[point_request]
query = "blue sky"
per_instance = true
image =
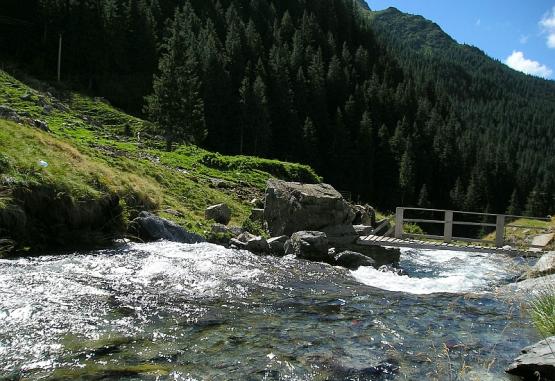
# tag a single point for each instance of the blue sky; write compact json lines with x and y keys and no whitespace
{"x":520,"y":33}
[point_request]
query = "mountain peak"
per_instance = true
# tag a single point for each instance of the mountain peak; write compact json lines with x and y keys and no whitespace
{"x":415,"y":30}
{"x":363,"y":4}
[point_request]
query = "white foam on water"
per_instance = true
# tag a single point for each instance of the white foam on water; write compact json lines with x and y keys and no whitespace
{"x":435,"y":271}
{"x":43,"y":298}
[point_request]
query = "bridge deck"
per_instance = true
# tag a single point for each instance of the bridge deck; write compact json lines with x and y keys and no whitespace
{"x":374,"y":240}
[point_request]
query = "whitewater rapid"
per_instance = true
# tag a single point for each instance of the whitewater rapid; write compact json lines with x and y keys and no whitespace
{"x":434,"y":271}
{"x":172,"y":311}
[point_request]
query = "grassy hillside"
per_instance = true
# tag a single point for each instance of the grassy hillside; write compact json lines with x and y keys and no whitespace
{"x":104,"y":166}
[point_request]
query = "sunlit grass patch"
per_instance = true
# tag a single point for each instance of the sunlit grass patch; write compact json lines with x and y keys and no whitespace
{"x":93,"y":150}
{"x":542,"y":310}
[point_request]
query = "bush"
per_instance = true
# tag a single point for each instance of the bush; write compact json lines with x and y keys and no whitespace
{"x":412,"y":229}
{"x":281,"y":170}
{"x":5,"y":164}
{"x":255,"y":227}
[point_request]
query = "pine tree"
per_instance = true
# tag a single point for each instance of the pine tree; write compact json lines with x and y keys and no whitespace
{"x":535,"y":203}
{"x":246,"y":100}
{"x":514,"y":205}
{"x":457,"y":195}
{"x":424,"y":198}
{"x":261,"y":117}
{"x":473,"y":198}
{"x":407,"y":175}
{"x":310,"y":138}
{"x":176,"y":104}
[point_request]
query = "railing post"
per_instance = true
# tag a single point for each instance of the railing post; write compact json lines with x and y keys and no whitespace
{"x":399,"y":221}
{"x":500,"y":231}
{"x":448,"y":227}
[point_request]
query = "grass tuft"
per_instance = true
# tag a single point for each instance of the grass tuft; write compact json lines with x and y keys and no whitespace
{"x":542,"y":311}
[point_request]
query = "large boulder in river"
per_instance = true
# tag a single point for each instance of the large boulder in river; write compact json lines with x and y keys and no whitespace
{"x":537,"y":362}
{"x":148,"y":227}
{"x":353,"y":260}
{"x":219,"y":213}
{"x":291,"y":207}
{"x":309,"y":245}
{"x":345,"y":238}
{"x":257,"y":245}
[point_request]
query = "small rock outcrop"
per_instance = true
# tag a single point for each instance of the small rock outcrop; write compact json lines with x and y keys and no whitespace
{"x":148,"y":227}
{"x":536,"y":362}
{"x":391,"y":269}
{"x":525,"y":289}
{"x":291,"y":207}
{"x":277,"y":245}
{"x":245,"y":237}
{"x":250,"y":242}
{"x":309,"y":245}
{"x":41,"y":125}
{"x":220,"y":229}
{"x":220,"y":234}
{"x":257,"y":245}
{"x":544,"y":266}
{"x":257,"y":215}
{"x":363,"y":230}
{"x":364,"y":215}
{"x":219,"y":213}
{"x":9,"y":114}
{"x":234,"y":243}
{"x":353,"y":260}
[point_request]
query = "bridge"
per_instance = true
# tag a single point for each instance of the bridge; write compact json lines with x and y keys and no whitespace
{"x":465,"y":223}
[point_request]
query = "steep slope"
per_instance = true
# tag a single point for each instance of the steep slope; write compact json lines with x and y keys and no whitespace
{"x":384,"y":105}
{"x":509,"y":115}
{"x":97,"y":167}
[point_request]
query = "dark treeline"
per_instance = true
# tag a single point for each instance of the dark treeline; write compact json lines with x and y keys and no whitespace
{"x":307,"y":81}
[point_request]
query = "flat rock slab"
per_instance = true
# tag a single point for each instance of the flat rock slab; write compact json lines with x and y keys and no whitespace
{"x":544,"y":266}
{"x":537,"y":362}
{"x":526,"y":289}
{"x":543,"y":240}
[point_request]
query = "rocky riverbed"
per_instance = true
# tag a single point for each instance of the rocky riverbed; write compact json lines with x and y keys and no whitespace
{"x":201,"y":312}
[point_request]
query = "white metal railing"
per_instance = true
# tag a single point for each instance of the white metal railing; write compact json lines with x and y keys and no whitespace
{"x":449,"y":222}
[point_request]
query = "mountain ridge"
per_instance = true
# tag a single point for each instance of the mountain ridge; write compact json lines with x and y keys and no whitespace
{"x":384,"y":105}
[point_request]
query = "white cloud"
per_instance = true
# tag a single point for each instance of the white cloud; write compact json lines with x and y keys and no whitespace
{"x":547,"y":23}
{"x":524,"y":39}
{"x":518,"y":62}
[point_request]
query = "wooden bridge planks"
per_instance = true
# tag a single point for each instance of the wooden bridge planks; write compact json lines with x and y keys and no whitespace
{"x":416,"y":244}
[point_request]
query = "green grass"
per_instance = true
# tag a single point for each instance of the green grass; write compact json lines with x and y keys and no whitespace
{"x":93,"y":149}
{"x":522,"y":236}
{"x":412,"y":229}
{"x":542,"y":311}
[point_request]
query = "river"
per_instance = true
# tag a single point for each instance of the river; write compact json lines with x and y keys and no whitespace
{"x":201,"y":312}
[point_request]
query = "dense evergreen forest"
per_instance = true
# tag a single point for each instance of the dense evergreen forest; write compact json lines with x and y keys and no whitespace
{"x":384,"y":105}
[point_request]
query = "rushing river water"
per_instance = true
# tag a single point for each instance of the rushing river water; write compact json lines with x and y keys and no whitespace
{"x":201,"y":312}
